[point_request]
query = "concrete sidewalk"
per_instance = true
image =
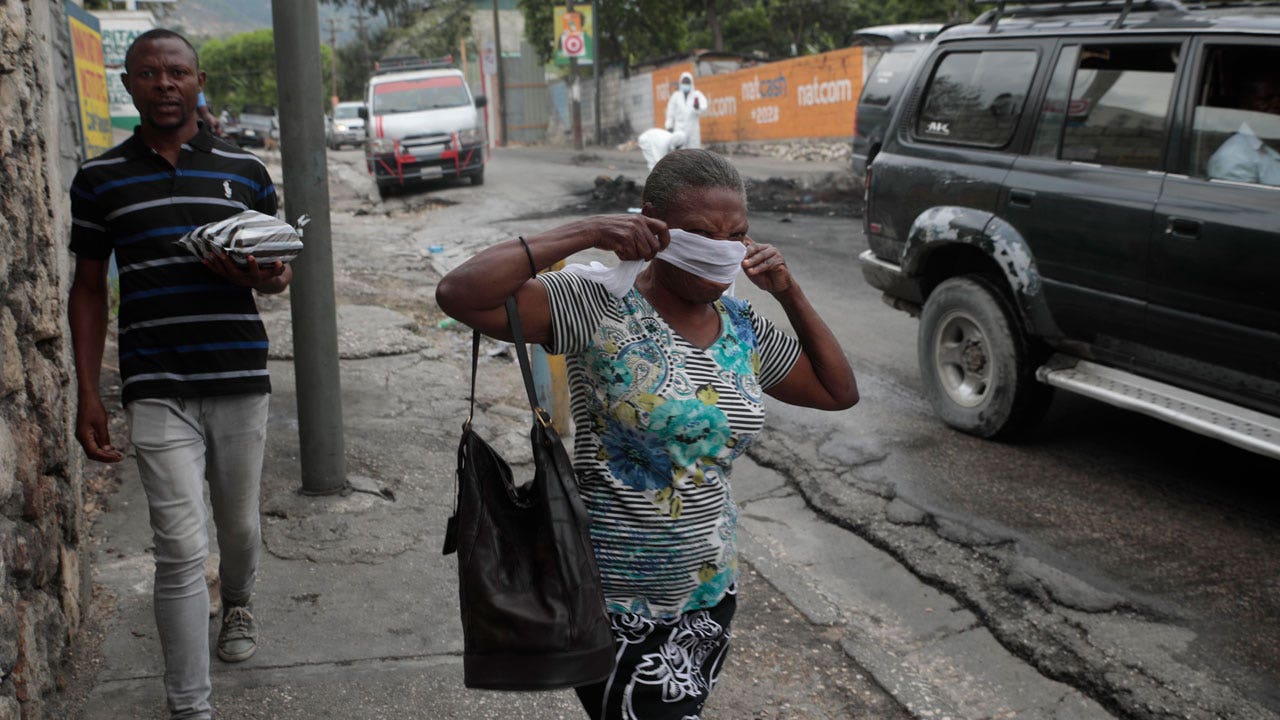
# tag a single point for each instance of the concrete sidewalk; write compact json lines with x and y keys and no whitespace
{"x":357,"y":607}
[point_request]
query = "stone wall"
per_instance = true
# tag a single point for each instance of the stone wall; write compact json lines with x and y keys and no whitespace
{"x":43,"y":577}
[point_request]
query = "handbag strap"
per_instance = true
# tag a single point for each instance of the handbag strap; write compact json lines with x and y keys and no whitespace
{"x":475,"y":361}
{"x":522,"y":354}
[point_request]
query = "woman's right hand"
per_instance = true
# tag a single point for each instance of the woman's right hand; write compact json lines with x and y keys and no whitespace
{"x":632,"y":236}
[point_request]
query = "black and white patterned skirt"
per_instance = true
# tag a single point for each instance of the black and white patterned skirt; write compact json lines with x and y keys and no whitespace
{"x":666,"y":668}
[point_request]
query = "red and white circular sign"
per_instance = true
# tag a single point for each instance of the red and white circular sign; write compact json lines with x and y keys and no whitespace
{"x":574,"y":45}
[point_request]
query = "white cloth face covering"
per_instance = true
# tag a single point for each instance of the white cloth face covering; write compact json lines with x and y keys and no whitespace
{"x":715,"y":260}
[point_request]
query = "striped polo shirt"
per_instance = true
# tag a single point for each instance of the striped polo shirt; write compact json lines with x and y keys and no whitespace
{"x":658,"y":423}
{"x":184,"y":330}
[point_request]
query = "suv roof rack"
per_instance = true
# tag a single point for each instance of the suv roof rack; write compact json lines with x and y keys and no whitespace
{"x":1033,"y":8}
{"x":402,"y":63}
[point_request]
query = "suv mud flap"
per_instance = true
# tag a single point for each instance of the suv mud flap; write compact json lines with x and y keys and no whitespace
{"x":1239,"y":426}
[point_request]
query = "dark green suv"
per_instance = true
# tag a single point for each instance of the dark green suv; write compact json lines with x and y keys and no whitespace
{"x":1087,"y":196}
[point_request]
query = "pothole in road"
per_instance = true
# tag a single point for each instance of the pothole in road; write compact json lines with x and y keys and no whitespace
{"x":403,"y":205}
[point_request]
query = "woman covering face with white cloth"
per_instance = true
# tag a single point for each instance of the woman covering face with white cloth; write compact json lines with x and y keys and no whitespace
{"x":667,"y":377}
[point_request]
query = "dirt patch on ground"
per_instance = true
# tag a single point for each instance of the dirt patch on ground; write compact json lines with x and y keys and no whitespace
{"x":800,"y":675}
{"x":411,"y":201}
{"x":787,"y":196}
{"x":780,"y":195}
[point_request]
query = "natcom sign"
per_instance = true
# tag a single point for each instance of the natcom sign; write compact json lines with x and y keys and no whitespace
{"x":807,"y":97}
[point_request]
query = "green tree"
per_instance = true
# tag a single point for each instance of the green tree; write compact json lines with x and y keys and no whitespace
{"x":355,"y":62}
{"x":397,"y":12}
{"x":241,"y":70}
{"x":627,"y":31}
{"x":632,"y":31}
{"x":432,"y":30}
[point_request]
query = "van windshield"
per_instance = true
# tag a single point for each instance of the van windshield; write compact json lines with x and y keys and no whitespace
{"x":346,"y":112}
{"x":422,"y":94}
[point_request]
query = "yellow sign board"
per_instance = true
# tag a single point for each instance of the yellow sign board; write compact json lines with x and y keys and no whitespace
{"x":91,"y":82}
{"x":575,"y":36}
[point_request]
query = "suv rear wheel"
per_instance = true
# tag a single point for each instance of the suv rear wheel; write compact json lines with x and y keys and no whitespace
{"x":977,"y":365}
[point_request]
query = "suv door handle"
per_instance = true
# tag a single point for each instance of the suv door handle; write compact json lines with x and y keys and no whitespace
{"x":1183,"y":229}
{"x":1021,"y":198}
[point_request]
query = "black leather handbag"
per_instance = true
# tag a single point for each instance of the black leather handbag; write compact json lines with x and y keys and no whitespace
{"x":533,"y":614}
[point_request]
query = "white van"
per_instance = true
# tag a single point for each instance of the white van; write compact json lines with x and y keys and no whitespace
{"x":422,"y":123}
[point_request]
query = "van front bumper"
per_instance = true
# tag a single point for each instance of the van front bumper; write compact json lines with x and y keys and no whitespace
{"x":389,"y":168}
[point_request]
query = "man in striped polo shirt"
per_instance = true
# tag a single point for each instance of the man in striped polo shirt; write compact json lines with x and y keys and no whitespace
{"x":193,"y":351}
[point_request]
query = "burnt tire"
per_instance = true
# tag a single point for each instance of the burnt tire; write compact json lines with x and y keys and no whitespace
{"x":977,"y":364}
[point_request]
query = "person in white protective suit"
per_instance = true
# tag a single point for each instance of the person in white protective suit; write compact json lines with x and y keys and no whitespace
{"x":656,"y":142}
{"x":683,"y":110}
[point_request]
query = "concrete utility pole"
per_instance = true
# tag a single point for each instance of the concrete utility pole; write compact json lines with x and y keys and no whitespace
{"x":306,"y":182}
{"x":502,"y":83}
{"x":595,"y":62}
{"x":364,"y":39}
{"x":575,"y":92}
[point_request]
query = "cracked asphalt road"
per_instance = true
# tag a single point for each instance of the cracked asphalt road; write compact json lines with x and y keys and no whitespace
{"x":1128,"y":558}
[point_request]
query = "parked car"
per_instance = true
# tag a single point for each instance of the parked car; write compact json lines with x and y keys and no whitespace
{"x":1088,"y":197}
{"x":892,"y":51}
{"x":344,"y":126}
{"x":423,"y":123}
{"x":255,"y":126}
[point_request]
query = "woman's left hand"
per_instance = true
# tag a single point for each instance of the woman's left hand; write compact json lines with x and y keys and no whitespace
{"x":766,"y":267}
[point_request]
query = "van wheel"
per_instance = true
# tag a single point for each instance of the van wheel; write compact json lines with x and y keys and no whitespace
{"x":477,"y":177}
{"x":977,"y":364}
{"x":384,"y":191}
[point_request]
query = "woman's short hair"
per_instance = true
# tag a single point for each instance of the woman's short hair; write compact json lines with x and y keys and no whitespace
{"x":682,"y":170}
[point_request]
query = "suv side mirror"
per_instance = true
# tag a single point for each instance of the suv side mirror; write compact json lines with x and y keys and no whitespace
{"x":363,"y":112}
{"x":481,"y":101}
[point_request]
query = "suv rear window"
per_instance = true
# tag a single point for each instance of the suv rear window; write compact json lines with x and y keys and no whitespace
{"x":975,"y":98}
{"x":1117,"y":109}
{"x":889,"y":74}
{"x":1236,"y":127}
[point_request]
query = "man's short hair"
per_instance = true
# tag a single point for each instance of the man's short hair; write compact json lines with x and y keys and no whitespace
{"x":159,"y":34}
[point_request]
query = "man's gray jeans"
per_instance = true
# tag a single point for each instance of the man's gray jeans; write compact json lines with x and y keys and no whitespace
{"x":181,"y":442}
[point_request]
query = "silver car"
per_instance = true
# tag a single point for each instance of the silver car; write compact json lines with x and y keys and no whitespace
{"x":344,"y":125}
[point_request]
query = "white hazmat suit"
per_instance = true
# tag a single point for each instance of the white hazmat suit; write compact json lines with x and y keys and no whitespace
{"x":683,"y":109}
{"x":656,"y":142}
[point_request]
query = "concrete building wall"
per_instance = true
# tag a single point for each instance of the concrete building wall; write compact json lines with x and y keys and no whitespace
{"x":626,"y":107}
{"x":43,"y":570}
